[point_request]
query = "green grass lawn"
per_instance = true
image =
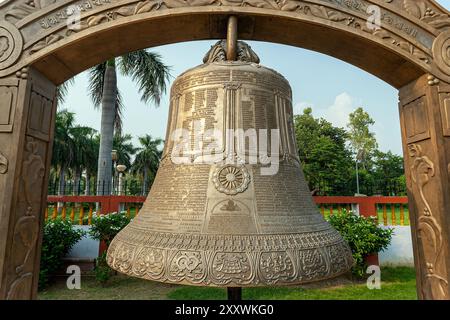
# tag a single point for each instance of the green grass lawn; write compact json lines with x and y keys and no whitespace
{"x":396,"y":284}
{"x":397,"y":215}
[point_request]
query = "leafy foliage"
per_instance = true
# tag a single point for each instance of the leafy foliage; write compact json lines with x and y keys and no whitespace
{"x":144,"y":68}
{"x":325,"y":159}
{"x":362,"y":140}
{"x":363,"y":235}
{"x":59,"y":237}
{"x":63,"y":145}
{"x":102,"y":270}
{"x":147,"y":160}
{"x":62,"y":91}
{"x":105,"y":228}
{"x":148,"y":71}
{"x":125,"y":149}
{"x":75,"y":148}
{"x":388,"y":169}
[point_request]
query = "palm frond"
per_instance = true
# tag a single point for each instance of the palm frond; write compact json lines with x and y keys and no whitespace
{"x":118,"y":114}
{"x":150,"y":73}
{"x":96,"y":82}
{"x":62,"y":90}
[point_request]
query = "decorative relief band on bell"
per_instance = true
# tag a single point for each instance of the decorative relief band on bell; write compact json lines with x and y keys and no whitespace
{"x":222,"y":242}
{"x":230,"y":268}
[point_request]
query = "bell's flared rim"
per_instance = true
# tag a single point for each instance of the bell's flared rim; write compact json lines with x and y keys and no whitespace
{"x":273,"y":260}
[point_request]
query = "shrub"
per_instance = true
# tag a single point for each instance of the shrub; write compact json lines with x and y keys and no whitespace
{"x":59,"y":237}
{"x":105,"y":228}
{"x":102,"y":271}
{"x":363,"y":235}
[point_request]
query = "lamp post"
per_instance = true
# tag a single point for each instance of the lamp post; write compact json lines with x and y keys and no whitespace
{"x":120,"y":169}
{"x":114,"y":157}
{"x":359,"y":157}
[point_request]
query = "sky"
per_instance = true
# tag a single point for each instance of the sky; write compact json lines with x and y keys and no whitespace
{"x":331,"y":87}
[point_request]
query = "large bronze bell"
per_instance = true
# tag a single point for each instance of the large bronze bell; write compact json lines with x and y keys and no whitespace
{"x":217,"y":218}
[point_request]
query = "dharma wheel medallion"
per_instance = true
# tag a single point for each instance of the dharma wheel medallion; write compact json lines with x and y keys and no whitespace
{"x":241,"y":215}
{"x":231,"y":179}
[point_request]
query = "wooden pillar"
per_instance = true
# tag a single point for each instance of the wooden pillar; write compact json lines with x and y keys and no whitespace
{"x":425,"y":118}
{"x":27,"y":111}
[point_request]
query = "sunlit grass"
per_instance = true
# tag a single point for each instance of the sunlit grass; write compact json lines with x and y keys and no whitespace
{"x":397,"y":284}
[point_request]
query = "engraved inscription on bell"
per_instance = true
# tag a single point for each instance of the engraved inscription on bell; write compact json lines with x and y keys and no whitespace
{"x":230,"y":205}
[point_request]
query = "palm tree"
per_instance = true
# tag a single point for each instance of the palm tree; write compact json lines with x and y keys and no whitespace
{"x":148,"y":70}
{"x":125,"y":149}
{"x":83,"y":138}
{"x":75,"y":149}
{"x":63,"y":146}
{"x":91,"y":160}
{"x":147,"y":159}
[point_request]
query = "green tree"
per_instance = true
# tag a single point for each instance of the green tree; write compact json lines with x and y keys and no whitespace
{"x":75,"y":149}
{"x":362,"y":141}
{"x":389,"y":173}
{"x":63,"y":146}
{"x":91,"y":160}
{"x":147,"y":160}
{"x":322,"y":148}
{"x":125,"y":149}
{"x":83,"y":139}
{"x":145,"y":68}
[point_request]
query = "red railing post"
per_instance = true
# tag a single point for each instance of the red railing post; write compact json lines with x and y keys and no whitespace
{"x":104,"y":203}
{"x":367,"y":206}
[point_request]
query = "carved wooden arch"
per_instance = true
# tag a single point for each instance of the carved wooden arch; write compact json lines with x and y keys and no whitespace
{"x":38,"y":50}
{"x":414,"y":36}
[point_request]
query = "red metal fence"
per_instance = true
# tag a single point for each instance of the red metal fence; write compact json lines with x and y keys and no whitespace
{"x":389,"y":210}
{"x":80,"y":209}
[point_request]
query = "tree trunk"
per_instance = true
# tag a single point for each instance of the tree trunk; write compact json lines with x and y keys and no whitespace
{"x":87,"y":190}
{"x":62,"y":186}
{"x":144,"y":184}
{"x":62,"y":181}
{"x":104,"y":175}
{"x":76,"y":187}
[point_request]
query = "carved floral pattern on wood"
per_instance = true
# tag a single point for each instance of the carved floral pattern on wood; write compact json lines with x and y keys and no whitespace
{"x":428,"y":228}
{"x":424,"y":11}
{"x":26,"y":229}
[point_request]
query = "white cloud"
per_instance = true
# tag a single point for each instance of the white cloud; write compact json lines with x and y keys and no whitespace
{"x":338,"y":112}
{"x":299,"y":107}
